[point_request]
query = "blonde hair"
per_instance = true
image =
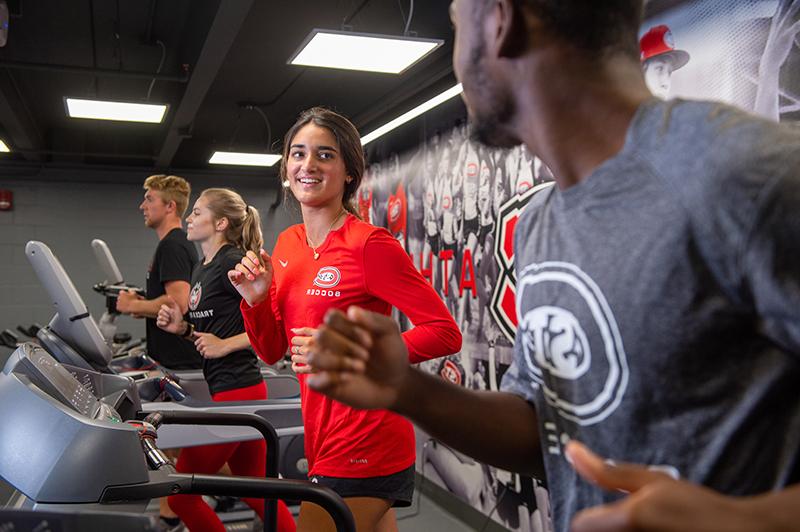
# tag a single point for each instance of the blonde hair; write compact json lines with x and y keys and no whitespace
{"x":244,"y":222}
{"x":171,"y":188}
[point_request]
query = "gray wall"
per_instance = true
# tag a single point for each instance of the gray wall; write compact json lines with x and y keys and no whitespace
{"x":67,"y":215}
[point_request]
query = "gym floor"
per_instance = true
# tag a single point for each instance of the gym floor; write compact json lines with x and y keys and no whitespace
{"x":427,"y":515}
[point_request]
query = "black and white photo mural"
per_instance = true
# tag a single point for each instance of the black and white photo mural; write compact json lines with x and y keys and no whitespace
{"x":742,"y":52}
{"x":453,"y":204}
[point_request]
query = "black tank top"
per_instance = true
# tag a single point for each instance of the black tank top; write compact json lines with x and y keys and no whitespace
{"x":214,"y":308}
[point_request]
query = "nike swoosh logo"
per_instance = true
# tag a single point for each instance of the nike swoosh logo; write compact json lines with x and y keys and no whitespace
{"x":284,"y":263}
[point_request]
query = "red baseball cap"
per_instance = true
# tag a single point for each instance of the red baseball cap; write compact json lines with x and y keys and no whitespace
{"x":658,"y":42}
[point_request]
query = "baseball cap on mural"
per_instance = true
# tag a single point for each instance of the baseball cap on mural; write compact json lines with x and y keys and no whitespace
{"x":658,"y":42}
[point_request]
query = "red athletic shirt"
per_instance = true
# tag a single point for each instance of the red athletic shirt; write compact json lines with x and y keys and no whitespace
{"x":359,"y":264}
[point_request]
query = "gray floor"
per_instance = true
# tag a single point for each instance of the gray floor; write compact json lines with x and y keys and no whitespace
{"x":427,"y":516}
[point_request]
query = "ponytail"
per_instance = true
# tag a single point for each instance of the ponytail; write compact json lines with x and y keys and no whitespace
{"x":252,"y":238}
{"x":244,"y":222}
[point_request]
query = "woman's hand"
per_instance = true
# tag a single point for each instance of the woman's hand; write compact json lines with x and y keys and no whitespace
{"x":252,"y":277}
{"x":302,"y":341}
{"x":210,"y":346}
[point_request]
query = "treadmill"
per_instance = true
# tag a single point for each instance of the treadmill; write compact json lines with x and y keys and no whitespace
{"x":110,"y":288}
{"x":286,"y":385}
{"x":71,"y":451}
{"x":73,"y":338}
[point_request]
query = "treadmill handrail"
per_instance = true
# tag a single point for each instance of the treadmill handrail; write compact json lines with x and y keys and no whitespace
{"x":261,"y":488}
{"x":192,"y":403}
{"x":228,"y":419}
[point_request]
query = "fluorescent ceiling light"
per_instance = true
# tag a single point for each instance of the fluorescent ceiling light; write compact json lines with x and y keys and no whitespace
{"x":415,"y":112}
{"x":244,"y":159}
{"x":4,"y":147}
{"x":121,"y":111}
{"x":362,"y":51}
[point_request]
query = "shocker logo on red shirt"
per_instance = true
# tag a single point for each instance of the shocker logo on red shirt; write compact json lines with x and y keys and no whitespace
{"x":328,"y":277}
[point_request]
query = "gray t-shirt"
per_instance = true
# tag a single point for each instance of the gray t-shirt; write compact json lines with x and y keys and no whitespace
{"x":659,"y":306}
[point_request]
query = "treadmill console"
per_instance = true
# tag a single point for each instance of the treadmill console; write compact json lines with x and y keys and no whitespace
{"x":55,"y":431}
{"x":59,"y":383}
{"x":55,"y":380}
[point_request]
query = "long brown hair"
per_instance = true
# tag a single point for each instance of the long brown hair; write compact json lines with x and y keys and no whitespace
{"x":349,"y":144}
{"x":244,"y":222}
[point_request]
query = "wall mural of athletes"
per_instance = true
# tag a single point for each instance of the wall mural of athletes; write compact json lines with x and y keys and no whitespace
{"x":453,"y":205}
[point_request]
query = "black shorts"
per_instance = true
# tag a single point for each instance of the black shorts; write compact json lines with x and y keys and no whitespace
{"x":483,"y":232}
{"x":433,"y":241}
{"x":397,"y":487}
{"x":471,"y":226}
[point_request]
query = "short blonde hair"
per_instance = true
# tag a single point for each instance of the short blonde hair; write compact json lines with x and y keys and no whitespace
{"x":172,"y":188}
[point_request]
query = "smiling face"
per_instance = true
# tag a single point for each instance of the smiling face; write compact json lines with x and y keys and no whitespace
{"x":200,"y":224}
{"x":315,"y":167}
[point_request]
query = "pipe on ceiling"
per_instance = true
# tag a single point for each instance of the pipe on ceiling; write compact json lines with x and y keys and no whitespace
{"x":102,"y":72}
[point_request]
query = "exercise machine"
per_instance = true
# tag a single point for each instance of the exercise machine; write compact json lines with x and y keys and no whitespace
{"x":73,"y":338}
{"x":69,"y":448}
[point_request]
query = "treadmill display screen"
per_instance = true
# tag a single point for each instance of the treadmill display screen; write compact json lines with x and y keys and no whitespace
{"x":66,"y":387}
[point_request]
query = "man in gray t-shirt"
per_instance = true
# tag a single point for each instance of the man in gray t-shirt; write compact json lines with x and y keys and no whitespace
{"x":658,"y":289}
{"x":658,"y":306}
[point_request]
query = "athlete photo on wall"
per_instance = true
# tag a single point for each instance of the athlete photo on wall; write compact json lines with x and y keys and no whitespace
{"x":442,"y":202}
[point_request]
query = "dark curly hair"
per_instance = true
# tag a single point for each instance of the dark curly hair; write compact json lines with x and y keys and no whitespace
{"x":594,"y":26}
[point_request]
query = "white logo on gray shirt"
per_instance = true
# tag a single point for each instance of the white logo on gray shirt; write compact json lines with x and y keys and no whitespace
{"x":563,"y":348}
{"x":558,"y":350}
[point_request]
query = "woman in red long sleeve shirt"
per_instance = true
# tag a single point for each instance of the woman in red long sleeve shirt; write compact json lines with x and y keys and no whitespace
{"x":335,"y":260}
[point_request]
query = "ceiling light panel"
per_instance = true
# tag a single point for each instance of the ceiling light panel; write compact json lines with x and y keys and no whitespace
{"x":413,"y":113}
{"x":244,"y":159}
{"x":362,"y":51}
{"x":117,"y":111}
